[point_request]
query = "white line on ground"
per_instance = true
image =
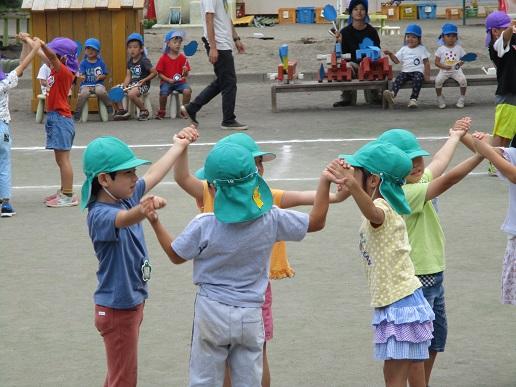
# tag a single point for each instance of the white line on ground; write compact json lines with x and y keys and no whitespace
{"x":49,"y":187}
{"x":315,"y":140}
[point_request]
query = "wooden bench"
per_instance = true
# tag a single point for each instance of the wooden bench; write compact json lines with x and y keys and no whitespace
{"x":473,"y":80}
{"x":307,"y":87}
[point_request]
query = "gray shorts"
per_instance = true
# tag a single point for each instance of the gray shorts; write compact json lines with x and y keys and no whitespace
{"x":226,"y":333}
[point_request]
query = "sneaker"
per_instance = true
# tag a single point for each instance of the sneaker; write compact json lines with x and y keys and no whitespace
{"x":144,"y":115}
{"x":441,"y":102}
{"x":341,"y":103}
{"x":52,"y":197}
{"x":388,"y":97}
{"x":77,"y":116}
{"x":412,"y":103}
{"x":187,"y":113}
{"x":121,"y":115}
{"x":63,"y":201}
{"x":460,"y":102}
{"x":7,"y":210}
{"x":160,"y":114}
{"x":233,"y":125}
{"x":491,"y":169}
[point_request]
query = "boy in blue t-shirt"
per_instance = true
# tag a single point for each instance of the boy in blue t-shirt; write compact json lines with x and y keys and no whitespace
{"x":230,"y":250}
{"x":113,"y":194}
{"x":92,"y":72}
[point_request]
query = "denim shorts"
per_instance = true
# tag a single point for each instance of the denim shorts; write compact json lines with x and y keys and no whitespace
{"x":434,"y":294}
{"x":167,"y":88}
{"x":60,"y":131}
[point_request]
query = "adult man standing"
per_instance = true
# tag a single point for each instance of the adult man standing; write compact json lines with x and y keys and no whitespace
{"x":219,"y":39}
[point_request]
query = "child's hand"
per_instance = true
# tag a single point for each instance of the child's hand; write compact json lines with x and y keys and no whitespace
{"x":481,"y":136}
{"x":387,"y":52}
{"x":149,"y":206}
{"x":461,"y":127}
{"x":24,"y":36}
{"x":341,"y":172}
{"x":189,"y":133}
{"x":38,"y":41}
{"x":81,"y":77}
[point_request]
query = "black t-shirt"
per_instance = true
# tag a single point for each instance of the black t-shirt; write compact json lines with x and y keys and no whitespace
{"x":351,"y":39}
{"x":140,"y":69}
{"x":505,"y":68}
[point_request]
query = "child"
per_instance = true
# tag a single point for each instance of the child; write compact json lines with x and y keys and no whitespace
{"x":350,"y":38}
{"x":230,"y":249}
{"x":415,"y":66}
{"x":92,"y":72}
{"x":172,"y":68}
{"x":43,"y":74}
{"x":113,"y":194}
{"x":7,"y":82}
{"x":139,"y":74}
{"x":504,"y":159}
{"x":447,"y":59}
{"x":203,"y":193}
{"x":501,"y":41}
{"x":423,"y":226}
{"x":61,"y":56}
{"x":402,"y":318}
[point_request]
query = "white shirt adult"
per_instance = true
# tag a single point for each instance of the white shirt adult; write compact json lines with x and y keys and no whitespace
{"x":412,"y":59}
{"x":222,"y":23}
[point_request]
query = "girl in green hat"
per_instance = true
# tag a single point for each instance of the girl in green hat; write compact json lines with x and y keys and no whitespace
{"x":402,"y":318}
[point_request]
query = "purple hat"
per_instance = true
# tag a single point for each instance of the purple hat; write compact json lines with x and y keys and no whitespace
{"x":497,"y":19}
{"x":67,"y":48}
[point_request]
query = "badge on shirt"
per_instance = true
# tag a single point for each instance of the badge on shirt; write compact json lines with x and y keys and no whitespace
{"x":146,"y":270}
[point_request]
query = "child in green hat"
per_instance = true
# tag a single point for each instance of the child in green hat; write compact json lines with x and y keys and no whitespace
{"x":230,"y":249}
{"x":425,"y":234}
{"x":402,"y":318}
{"x":197,"y":187}
{"x":113,"y":195}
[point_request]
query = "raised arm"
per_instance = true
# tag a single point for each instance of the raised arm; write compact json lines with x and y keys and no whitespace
{"x":160,"y":168}
{"x":188,"y":182}
{"x":317,"y":216}
{"x":25,"y":37}
{"x":495,"y":156}
{"x":443,"y":156}
{"x":307,"y":198}
{"x":27,"y":55}
{"x":55,"y":63}
{"x":452,"y":177}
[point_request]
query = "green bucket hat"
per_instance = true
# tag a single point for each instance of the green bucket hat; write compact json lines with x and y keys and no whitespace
{"x":404,"y":140}
{"x":104,"y":155}
{"x":241,"y":193}
{"x":247,"y":142}
{"x":391,"y":164}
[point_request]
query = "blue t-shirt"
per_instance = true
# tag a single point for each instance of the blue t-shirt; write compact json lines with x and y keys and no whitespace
{"x":231,"y":260}
{"x":121,"y":253}
{"x":91,"y":71}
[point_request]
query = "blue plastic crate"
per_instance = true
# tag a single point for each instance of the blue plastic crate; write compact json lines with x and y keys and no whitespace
{"x":427,"y":11}
{"x":305,"y":15}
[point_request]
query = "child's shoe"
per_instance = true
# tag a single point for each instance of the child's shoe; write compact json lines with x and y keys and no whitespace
{"x":7,"y":210}
{"x":51,"y":197}
{"x":388,"y":97}
{"x":441,"y":102}
{"x":121,"y":115}
{"x":160,"y":114}
{"x":460,"y":102}
{"x":412,"y":103}
{"x":62,"y":200}
{"x":144,"y":115}
{"x":77,"y":116}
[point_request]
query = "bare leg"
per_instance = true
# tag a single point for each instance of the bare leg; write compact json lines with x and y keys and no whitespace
{"x":227,"y":376}
{"x":429,"y":364}
{"x":134,"y":96}
{"x":101,"y":93}
{"x":463,"y":91}
{"x":395,"y":372}
{"x":62,"y":158}
{"x":163,"y":102}
{"x":439,"y":91}
{"x":266,"y":376}
{"x":187,"y":94}
{"x":417,"y":374}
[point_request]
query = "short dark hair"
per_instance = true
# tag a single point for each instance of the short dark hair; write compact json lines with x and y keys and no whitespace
{"x":95,"y":185}
{"x":135,"y":40}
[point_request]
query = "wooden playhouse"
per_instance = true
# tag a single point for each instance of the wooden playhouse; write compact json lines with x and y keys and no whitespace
{"x":110,"y":21}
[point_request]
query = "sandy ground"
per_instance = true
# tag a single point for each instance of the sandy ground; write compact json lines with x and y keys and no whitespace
{"x":322,"y":335}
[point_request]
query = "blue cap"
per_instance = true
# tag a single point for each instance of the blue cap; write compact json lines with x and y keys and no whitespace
{"x":135,"y":36}
{"x":449,"y":28}
{"x":92,"y":43}
{"x":174,"y":34}
{"x":414,"y":29}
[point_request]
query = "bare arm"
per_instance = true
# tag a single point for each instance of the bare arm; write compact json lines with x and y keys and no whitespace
{"x":165,"y":240}
{"x":127,"y":78}
{"x":126,"y":218}
{"x":441,"y":65}
{"x":151,"y":75}
{"x":507,"y":33}
{"x":210,"y":29}
{"x":52,"y":57}
{"x":317,"y":216}
{"x":27,"y":56}
{"x":307,"y":198}
{"x":391,"y":55}
{"x":25,"y":37}
{"x":452,"y":177}
{"x":495,"y":156}
{"x":443,"y":156}
{"x":188,"y":182}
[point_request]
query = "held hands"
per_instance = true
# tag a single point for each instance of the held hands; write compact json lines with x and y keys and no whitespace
{"x":461,"y":127}
{"x":149,"y":206}
{"x":339,"y":172}
{"x":186,"y":136}
{"x":481,"y":136}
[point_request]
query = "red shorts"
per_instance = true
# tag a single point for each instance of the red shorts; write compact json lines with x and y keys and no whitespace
{"x":267,"y":313}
